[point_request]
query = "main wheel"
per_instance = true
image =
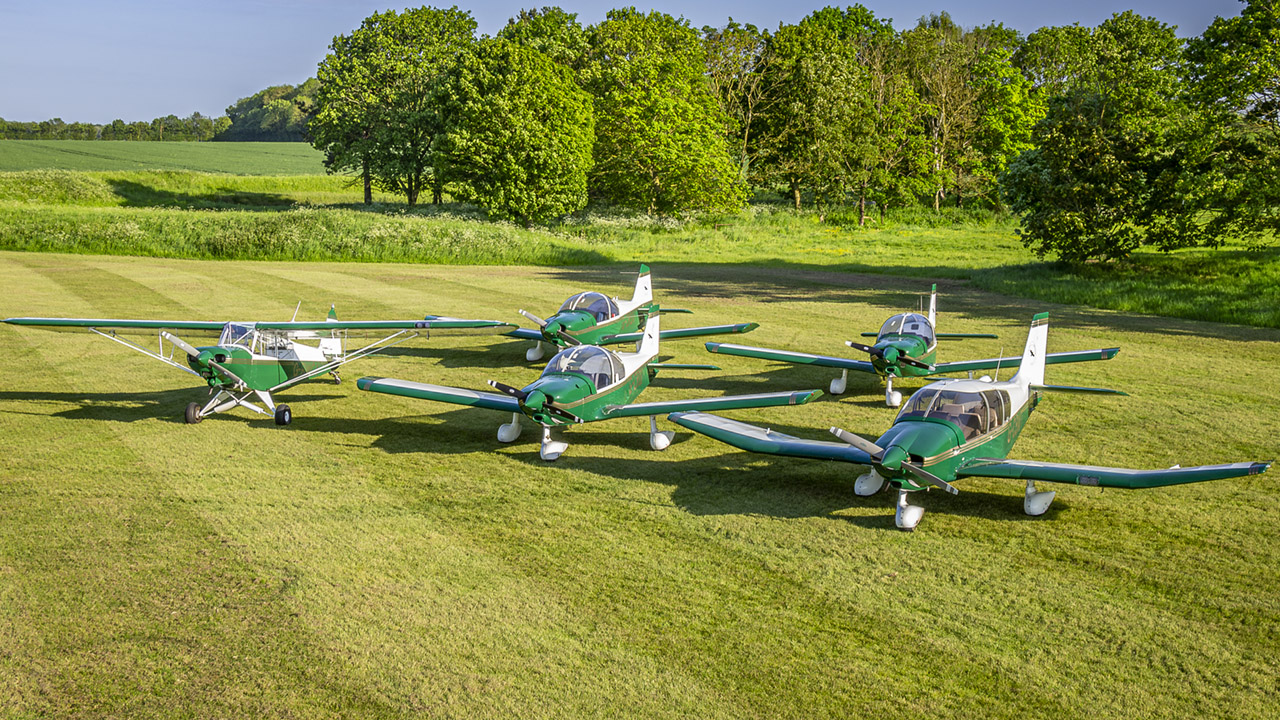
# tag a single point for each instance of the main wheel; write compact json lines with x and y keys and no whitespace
{"x":284,"y":415}
{"x":193,"y":415}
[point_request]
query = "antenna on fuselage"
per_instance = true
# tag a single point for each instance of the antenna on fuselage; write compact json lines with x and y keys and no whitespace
{"x":998,"y":359}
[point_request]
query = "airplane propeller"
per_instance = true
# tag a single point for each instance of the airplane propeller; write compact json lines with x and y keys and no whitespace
{"x":191,"y":350}
{"x":878,"y":352}
{"x":521,"y":396}
{"x":543,"y":324}
{"x":878,"y":454}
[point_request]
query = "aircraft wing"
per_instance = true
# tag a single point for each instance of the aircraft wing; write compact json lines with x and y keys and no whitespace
{"x":440,"y":393}
{"x":1050,"y":359}
{"x":1106,"y":476}
{"x":372,"y":328}
{"x":762,"y":440}
{"x":525,"y":334}
{"x":791,"y":357}
{"x":182,"y":328}
{"x":678,"y":333}
{"x":727,"y":402}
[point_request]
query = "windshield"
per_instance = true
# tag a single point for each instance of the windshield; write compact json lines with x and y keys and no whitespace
{"x":598,"y":365}
{"x":600,"y":306}
{"x":969,"y":411}
{"x":237,"y":334}
{"x":908,"y":324}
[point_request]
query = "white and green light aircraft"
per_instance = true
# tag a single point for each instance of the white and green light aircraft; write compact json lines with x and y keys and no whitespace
{"x":256,"y":359}
{"x":953,"y":429}
{"x":585,"y":383}
{"x":906,"y":346}
{"x":593,"y":318}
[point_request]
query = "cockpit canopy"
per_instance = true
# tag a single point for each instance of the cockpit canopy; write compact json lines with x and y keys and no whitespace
{"x":598,"y":365}
{"x":237,"y":334}
{"x":598,"y":304}
{"x":975,"y":413}
{"x":909,"y":324}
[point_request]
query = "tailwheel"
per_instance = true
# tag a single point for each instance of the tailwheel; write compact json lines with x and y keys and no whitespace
{"x":336,"y":380}
{"x":192,"y":414}
{"x":284,"y":415}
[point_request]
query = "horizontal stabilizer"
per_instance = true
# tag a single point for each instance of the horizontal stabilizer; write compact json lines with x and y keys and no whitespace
{"x":727,"y":402}
{"x":440,"y":393}
{"x":790,"y":357}
{"x":1107,"y":476}
{"x":752,"y":438}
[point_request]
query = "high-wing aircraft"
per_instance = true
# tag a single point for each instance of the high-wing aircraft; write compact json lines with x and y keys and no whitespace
{"x":259,"y":358}
{"x":585,"y":383}
{"x":906,"y":346}
{"x":593,"y":318}
{"x":953,"y":429}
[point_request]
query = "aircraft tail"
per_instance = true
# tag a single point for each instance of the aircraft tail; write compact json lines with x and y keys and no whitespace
{"x":647,"y":346}
{"x":1031,"y":371}
{"x":644,"y":287}
{"x":933,"y":307}
{"x":332,"y":345}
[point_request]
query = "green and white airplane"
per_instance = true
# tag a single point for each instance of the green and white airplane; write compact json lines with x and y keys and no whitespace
{"x":906,"y":346}
{"x":958,"y":428}
{"x":259,"y":358}
{"x":592,"y":318}
{"x":585,"y":383}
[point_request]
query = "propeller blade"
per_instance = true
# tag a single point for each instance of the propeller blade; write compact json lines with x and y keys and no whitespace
{"x":516,"y":393}
{"x":866,"y":446}
{"x":569,"y":339}
{"x":552,"y":409}
{"x":178,"y":342}
{"x":864,"y":348}
{"x":534,"y":319}
{"x":930,"y":477}
{"x":914,"y":363}
{"x":223,"y":369}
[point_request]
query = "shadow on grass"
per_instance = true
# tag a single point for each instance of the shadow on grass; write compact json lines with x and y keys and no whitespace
{"x":166,"y":405}
{"x":138,"y":195}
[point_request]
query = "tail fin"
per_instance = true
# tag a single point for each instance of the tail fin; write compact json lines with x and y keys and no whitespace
{"x":644,"y":287}
{"x":647,"y":346}
{"x":1031,"y":371}
{"x":933,"y":307}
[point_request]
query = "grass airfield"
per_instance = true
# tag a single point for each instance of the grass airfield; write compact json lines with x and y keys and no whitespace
{"x":385,"y":557}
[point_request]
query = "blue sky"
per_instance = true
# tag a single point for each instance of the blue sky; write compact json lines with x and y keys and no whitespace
{"x":94,"y":61}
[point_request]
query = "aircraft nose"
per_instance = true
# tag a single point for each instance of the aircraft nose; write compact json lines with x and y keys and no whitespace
{"x":890,"y":354}
{"x":893,"y":457}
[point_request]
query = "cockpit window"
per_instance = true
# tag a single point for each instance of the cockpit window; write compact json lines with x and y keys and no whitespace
{"x":237,"y":334}
{"x":598,"y":365}
{"x":598,"y":304}
{"x":971,"y":412}
{"x":908,"y":324}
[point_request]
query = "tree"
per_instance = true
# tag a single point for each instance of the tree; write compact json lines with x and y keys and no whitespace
{"x":373,"y":108}
{"x":1101,"y":179}
{"x":660,"y":143}
{"x":1232,"y":77}
{"x":518,"y":133}
{"x":737,"y":56}
{"x":552,"y":32}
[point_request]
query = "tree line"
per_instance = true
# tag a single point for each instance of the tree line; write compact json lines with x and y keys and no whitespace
{"x":276,"y":114}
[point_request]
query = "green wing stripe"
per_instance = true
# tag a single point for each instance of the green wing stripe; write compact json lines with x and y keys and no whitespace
{"x":1007,"y":362}
{"x":790,"y":357}
{"x":428,"y":323}
{"x":1107,"y":476}
{"x":728,"y":402}
{"x":761,"y":440}
{"x":439,"y":393}
{"x":679,"y":333}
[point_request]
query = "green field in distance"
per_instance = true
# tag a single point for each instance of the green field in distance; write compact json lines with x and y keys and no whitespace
{"x":234,"y":158}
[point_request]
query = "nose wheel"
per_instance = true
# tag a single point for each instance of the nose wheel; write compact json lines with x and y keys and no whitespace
{"x":907,"y":516}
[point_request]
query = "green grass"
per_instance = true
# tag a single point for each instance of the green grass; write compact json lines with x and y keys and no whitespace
{"x":119,"y":155}
{"x":384,"y":557}
{"x":184,"y":214}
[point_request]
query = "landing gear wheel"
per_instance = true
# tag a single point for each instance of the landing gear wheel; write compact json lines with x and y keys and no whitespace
{"x":336,"y":380}
{"x":193,"y":415}
{"x":284,"y":415}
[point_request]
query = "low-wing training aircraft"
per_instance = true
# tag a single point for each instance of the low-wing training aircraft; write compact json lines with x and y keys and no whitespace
{"x":958,"y":428}
{"x":585,"y":383}
{"x":906,"y":346}
{"x":593,"y":318}
{"x":259,"y":358}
